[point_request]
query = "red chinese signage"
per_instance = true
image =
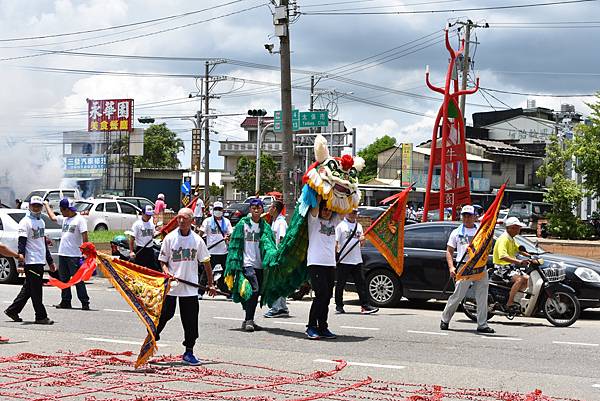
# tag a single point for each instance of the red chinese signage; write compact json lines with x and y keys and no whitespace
{"x":110,"y":115}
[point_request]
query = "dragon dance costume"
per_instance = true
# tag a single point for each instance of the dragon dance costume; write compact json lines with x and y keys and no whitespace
{"x":335,"y":180}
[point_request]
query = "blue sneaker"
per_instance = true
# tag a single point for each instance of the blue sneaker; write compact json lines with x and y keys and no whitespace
{"x":326,"y":334}
{"x":312,"y":333}
{"x":189,"y":359}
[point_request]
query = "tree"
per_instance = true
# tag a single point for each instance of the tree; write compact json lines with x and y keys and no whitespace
{"x":563,"y":193}
{"x":215,"y":190}
{"x":245,"y":175}
{"x":586,"y":148}
{"x":161,"y":147}
{"x":370,"y":153}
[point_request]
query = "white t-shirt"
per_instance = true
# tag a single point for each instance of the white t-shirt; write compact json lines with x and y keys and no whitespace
{"x":71,"y":239}
{"x":460,"y":238}
{"x":252,"y":255}
{"x":279,"y":227}
{"x":143,"y":232}
{"x":199,"y":209}
{"x":321,"y":241}
{"x":34,"y":230}
{"x":213,"y":235}
{"x":182,"y":254}
{"x":342,"y":233}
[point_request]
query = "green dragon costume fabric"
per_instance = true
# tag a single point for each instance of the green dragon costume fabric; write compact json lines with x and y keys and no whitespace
{"x":335,"y":180}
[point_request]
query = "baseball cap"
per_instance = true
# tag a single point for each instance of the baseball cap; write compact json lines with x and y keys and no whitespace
{"x":148,"y":210}
{"x":217,"y":205}
{"x":36,"y":200}
{"x":513,"y":221}
{"x":66,"y":203}
{"x":467,"y":209}
{"x":257,"y":202}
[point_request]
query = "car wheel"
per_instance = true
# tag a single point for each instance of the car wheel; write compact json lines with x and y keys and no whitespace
{"x":383,"y":288}
{"x":101,"y":227}
{"x":8,"y":270}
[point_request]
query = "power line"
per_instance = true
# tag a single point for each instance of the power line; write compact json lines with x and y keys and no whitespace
{"x":539,"y":94}
{"x":513,"y":6}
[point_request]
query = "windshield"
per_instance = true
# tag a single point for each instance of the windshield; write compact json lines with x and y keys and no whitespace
{"x":35,"y":193}
{"x":83,"y":206}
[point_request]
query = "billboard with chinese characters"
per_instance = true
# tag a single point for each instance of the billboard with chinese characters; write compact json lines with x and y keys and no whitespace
{"x":406,"y":172}
{"x":85,"y":166}
{"x":110,"y":115}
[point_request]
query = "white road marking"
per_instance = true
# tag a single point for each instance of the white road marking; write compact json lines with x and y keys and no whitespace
{"x":112,"y":340}
{"x":359,"y":328}
{"x":117,"y":310}
{"x":294,"y":323}
{"x":6,"y":302}
{"x":370,"y":365}
{"x":228,"y":318}
{"x":596,"y":385}
{"x":503,"y":338}
{"x":433,"y":333}
{"x":574,"y":343}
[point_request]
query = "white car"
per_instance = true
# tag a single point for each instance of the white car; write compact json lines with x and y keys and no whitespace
{"x":9,"y":227}
{"x":53,"y":196}
{"x":108,"y":214}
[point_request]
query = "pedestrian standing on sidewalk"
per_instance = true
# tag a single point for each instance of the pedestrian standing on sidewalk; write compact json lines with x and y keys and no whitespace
{"x":279,"y":228}
{"x":141,"y":243}
{"x":9,"y":253}
{"x":35,"y":253}
{"x":180,"y":253}
{"x":217,"y":229}
{"x":74,"y":233}
{"x":349,"y":238}
{"x":459,"y":240}
{"x":159,"y":208}
{"x":321,"y":268}
{"x":198,"y":211}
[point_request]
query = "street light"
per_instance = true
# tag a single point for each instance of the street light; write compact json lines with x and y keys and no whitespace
{"x":259,"y":113}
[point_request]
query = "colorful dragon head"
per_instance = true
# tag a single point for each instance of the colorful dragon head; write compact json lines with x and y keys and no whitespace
{"x":335,"y":178}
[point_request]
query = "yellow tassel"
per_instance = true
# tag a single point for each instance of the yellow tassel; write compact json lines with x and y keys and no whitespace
{"x":229,"y":281}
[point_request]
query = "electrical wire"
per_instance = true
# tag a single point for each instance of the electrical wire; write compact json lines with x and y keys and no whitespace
{"x":539,"y":94}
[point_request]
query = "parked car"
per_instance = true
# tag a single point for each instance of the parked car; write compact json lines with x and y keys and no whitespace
{"x":138,"y":201}
{"x":9,"y":227}
{"x":53,"y":196}
{"x":373,"y":212}
{"x":426,"y":274}
{"x":236,"y":211}
{"x":530,"y":213}
{"x":267,"y":200}
{"x":108,"y":214}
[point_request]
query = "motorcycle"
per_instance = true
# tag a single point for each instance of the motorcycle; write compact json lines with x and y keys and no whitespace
{"x":120,"y":248}
{"x":546,"y":294}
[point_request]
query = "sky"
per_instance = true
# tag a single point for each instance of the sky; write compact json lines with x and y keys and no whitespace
{"x":546,"y":50}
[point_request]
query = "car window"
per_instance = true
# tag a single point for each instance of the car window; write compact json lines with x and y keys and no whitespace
{"x":53,"y":196}
{"x":1,"y":226}
{"x":127,"y":208}
{"x":69,"y":194}
{"x":434,"y":237}
{"x":83,"y":206}
{"x":17,"y":216}
{"x":111,"y":207}
{"x":143,"y":203}
{"x":99,"y":207}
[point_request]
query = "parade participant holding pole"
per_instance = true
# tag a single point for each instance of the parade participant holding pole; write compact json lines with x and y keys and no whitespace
{"x":141,"y":249}
{"x":217,"y":230}
{"x":279,"y":228}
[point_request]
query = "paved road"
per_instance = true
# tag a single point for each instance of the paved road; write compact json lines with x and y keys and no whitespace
{"x":402,"y":344}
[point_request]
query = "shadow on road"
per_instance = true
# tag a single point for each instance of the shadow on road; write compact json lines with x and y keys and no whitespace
{"x":300,"y":334}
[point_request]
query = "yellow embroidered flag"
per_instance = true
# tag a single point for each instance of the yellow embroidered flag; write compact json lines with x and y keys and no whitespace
{"x":387,"y":232}
{"x":479,"y":249}
{"x":144,"y":290}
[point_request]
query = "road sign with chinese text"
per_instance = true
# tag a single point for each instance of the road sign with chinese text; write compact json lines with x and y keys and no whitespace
{"x":278,"y":120}
{"x":110,"y":115}
{"x":310,"y":119}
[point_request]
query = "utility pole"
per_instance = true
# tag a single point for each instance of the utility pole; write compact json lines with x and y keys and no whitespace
{"x":467,"y":62}
{"x":206,"y":135}
{"x":281,"y":21}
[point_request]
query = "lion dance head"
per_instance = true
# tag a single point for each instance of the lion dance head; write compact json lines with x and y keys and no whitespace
{"x":335,"y":179}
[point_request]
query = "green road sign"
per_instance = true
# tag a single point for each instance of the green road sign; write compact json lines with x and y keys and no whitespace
{"x":278,"y":123}
{"x":310,"y":119}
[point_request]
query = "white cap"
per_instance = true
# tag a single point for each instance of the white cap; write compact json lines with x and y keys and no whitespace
{"x":36,"y":200}
{"x":218,"y":204}
{"x":467,"y":209}
{"x":513,"y":221}
{"x":161,"y":196}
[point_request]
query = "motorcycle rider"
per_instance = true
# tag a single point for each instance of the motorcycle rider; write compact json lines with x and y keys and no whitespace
{"x":459,"y":240}
{"x":506,"y":264}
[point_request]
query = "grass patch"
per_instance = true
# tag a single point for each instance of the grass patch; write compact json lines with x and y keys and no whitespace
{"x":103,"y":236}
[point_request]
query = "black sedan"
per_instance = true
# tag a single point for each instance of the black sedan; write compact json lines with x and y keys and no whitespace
{"x":236,"y":211}
{"x":426,"y":272}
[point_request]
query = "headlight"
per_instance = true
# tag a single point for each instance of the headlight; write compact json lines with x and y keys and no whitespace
{"x":588,"y":275}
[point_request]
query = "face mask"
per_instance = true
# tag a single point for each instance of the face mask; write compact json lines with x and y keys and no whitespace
{"x":36,"y":216}
{"x":218,"y":213}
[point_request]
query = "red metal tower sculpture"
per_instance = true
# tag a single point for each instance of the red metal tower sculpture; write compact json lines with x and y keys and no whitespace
{"x":449,"y":154}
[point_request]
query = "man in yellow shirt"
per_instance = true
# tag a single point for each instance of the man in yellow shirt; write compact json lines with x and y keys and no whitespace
{"x":506,"y":264}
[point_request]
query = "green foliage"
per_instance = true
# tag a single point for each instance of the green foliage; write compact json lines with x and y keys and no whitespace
{"x":564,"y":193}
{"x":102,"y":237}
{"x":586,"y":147}
{"x":215,"y":190}
{"x":161,"y":146}
{"x":370,"y":153}
{"x":245,"y":175}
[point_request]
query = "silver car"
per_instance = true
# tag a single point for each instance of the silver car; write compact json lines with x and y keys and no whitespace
{"x":9,"y":228}
{"x":108,"y":214}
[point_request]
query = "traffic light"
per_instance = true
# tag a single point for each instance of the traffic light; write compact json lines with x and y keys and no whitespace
{"x":257,"y":112}
{"x":146,"y":120}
